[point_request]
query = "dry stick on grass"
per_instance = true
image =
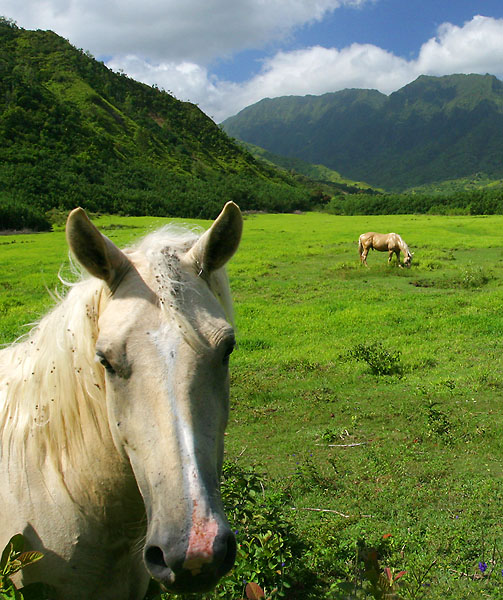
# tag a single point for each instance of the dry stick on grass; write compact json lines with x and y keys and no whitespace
{"x":346,"y":445}
{"x":328,"y":510}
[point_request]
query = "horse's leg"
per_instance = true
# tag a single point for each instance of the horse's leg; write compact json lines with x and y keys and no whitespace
{"x":390,"y":255}
{"x":363,"y":253}
{"x":363,"y":256}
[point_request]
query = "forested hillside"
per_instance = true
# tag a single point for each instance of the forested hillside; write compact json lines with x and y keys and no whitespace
{"x":335,"y":181}
{"x":73,"y":133}
{"x":432,"y":130}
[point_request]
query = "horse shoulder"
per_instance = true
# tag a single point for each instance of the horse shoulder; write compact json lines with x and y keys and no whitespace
{"x":393,"y":240}
{"x":366,"y":238}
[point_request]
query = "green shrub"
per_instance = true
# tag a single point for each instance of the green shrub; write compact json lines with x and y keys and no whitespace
{"x":474,"y":277}
{"x":263,"y":534}
{"x":380,"y":360}
{"x":16,"y":215}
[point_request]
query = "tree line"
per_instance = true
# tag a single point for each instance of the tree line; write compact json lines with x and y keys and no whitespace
{"x":474,"y":202}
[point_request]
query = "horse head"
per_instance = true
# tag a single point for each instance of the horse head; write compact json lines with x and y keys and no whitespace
{"x":164,"y":342}
{"x":407,"y":260}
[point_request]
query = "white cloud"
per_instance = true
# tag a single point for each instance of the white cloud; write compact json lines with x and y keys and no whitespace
{"x":317,"y":70}
{"x":172,"y":30}
{"x":174,"y":43}
{"x":477,"y":47}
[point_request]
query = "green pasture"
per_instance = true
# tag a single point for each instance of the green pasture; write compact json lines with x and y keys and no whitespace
{"x":369,"y":399}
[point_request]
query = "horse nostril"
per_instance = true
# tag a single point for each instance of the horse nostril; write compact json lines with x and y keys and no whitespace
{"x":155,"y":556}
{"x":157,"y":564}
{"x":229,"y":553}
{"x":197,"y":572}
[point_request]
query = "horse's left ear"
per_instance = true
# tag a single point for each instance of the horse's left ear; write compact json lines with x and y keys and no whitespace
{"x":95,"y":252}
{"x":216,"y":246}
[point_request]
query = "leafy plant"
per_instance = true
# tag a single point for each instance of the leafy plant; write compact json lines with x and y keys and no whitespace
{"x":380,"y":360}
{"x":254,"y":591}
{"x":264,"y":535}
{"x":474,"y":277}
{"x":370,"y":579}
{"x":13,"y":560}
{"x":331,"y":434}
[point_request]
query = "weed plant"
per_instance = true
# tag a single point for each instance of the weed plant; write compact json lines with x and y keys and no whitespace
{"x":380,"y":360}
{"x":13,"y":560}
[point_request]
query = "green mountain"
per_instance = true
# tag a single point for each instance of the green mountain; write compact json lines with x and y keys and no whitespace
{"x":73,"y":133}
{"x":432,"y":130}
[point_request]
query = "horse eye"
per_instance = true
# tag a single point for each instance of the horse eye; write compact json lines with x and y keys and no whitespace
{"x":100,"y":357}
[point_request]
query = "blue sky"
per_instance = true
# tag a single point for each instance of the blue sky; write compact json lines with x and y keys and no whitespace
{"x":227,"y":54}
{"x":399,"y":26}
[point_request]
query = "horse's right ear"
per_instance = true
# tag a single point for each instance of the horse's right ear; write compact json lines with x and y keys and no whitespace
{"x":95,"y":252}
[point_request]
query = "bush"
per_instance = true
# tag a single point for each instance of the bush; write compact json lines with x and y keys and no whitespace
{"x":18,"y":216}
{"x":474,"y":277}
{"x":380,"y":361}
{"x":266,"y":544}
{"x":264,"y":536}
{"x":473,"y":202}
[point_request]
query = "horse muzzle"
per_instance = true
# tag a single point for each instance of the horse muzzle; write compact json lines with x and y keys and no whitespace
{"x":194,"y":566}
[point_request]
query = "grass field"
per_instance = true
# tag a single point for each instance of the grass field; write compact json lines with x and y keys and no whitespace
{"x":369,"y":398}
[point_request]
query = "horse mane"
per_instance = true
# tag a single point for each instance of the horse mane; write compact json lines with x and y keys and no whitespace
{"x":51,"y":387}
{"x":403,"y":246}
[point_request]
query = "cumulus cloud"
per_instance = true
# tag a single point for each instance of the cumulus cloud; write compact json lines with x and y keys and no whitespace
{"x":172,"y":30}
{"x":173,"y":44}
{"x":477,"y":47}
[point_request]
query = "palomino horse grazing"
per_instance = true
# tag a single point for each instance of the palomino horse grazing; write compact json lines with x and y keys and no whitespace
{"x":390,"y":242}
{"x":112,"y":418}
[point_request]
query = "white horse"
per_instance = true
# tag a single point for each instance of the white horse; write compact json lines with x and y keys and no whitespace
{"x":384,"y":242}
{"x":112,"y":418}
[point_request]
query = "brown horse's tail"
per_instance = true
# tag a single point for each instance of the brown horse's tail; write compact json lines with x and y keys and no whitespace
{"x":360,"y":246}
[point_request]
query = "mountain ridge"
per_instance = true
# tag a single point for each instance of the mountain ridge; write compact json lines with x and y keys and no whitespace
{"x":431,"y":130}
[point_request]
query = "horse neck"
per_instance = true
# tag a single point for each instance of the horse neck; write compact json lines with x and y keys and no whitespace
{"x":403,"y":246}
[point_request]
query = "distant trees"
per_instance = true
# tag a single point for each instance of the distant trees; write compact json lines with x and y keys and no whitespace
{"x":474,"y":202}
{"x":136,"y":190}
{"x":14,"y":216}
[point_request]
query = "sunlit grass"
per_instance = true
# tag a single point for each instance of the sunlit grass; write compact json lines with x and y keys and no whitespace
{"x":415,"y":454}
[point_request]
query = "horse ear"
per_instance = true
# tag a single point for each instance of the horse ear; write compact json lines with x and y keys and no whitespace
{"x":216,"y":246}
{"x":95,"y":252}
